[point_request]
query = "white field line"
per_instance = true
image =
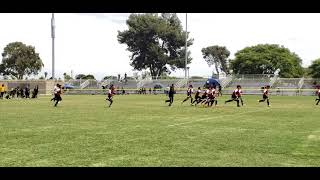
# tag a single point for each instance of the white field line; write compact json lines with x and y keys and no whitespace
{"x":215,"y":117}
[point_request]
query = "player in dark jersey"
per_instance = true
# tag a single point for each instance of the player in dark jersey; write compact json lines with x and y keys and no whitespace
{"x":318,"y":93}
{"x":197,"y":97}
{"x":235,"y":96}
{"x":170,"y":94}
{"x":189,"y":95}
{"x":265,"y":95}
{"x":111,"y":93}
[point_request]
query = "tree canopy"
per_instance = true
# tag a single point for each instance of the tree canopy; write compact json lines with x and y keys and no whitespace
{"x":19,"y":60}
{"x":217,"y":56}
{"x":83,"y":76}
{"x":266,"y":59}
{"x":314,"y":68}
{"x":157,"y":43}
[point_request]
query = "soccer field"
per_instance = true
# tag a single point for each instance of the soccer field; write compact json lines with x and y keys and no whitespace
{"x":141,"y":130}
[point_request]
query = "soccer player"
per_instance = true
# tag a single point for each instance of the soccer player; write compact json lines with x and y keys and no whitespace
{"x":203,"y":97}
{"x":2,"y":89}
{"x":35,"y":92}
{"x":57,"y":95}
{"x":111,"y":93}
{"x":189,"y":94}
{"x":170,"y":94}
{"x":235,"y":96}
{"x":197,"y":96}
{"x":54,"y":92}
{"x":27,"y":92}
{"x":265,"y":95}
{"x":211,"y":96}
{"x":318,"y":93}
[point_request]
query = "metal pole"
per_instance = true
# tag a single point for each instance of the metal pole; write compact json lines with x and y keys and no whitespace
{"x":186,"y":47}
{"x":52,"y":36}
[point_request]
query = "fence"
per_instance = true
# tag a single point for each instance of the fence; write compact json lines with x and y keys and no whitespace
{"x":251,"y":84}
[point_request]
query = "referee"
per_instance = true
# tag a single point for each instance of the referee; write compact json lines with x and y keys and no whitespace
{"x":171,"y":93}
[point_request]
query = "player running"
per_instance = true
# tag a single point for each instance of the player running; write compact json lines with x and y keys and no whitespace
{"x":197,"y":97}
{"x":236,"y":94}
{"x":57,"y":94}
{"x":54,"y":92}
{"x":265,"y":95}
{"x":189,"y":95}
{"x":211,"y":97}
{"x":318,"y":93}
{"x":171,"y":94}
{"x":111,"y":93}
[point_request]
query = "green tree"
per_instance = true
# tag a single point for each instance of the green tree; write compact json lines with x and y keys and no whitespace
{"x":157,"y":42}
{"x":66,"y":76}
{"x":266,"y":59}
{"x":110,"y":77}
{"x":19,"y":60}
{"x":80,"y":76}
{"x":89,"y":76}
{"x":315,"y":68}
{"x":217,"y":56}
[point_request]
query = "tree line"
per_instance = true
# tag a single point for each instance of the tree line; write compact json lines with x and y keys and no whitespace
{"x":157,"y":45}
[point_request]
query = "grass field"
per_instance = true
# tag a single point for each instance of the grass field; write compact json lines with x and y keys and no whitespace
{"x":140,"y":130}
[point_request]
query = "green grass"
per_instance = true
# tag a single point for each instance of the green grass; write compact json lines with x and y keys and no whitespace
{"x":140,"y":130}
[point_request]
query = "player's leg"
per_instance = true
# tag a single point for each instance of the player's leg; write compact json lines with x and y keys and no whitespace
{"x":171,"y":100}
{"x":268,"y":102}
{"x":56,"y":100}
{"x":238,"y":102}
{"x":262,"y":100}
{"x":111,"y":101}
{"x":186,"y":99}
{"x":241,"y":101}
{"x":230,"y":100}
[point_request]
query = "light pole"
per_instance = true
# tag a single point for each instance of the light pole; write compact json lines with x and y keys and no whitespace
{"x":52,"y":36}
{"x":186,"y":55}
{"x":188,"y":72}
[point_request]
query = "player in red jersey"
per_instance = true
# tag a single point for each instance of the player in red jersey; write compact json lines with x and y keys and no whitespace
{"x":236,"y":94}
{"x":189,"y":94}
{"x":265,"y":95}
{"x":318,"y":93}
{"x":111,"y":93}
{"x":211,"y":96}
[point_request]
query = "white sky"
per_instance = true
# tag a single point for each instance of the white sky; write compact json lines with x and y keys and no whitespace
{"x":87,"y":43}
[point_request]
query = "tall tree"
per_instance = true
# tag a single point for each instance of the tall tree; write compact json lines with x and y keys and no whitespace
{"x":89,"y":76}
{"x":157,"y":42}
{"x":266,"y":59}
{"x":80,"y":76}
{"x":19,"y":60}
{"x":217,"y":56}
{"x":315,"y":68}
